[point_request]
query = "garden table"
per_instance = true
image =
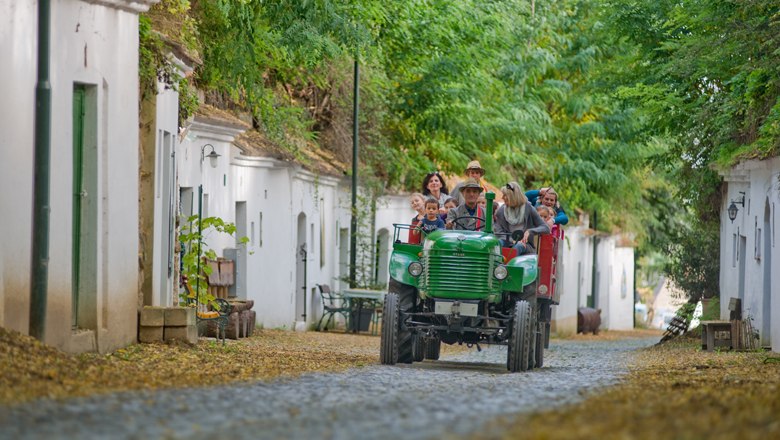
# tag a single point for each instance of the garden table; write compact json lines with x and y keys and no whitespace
{"x":357,"y":298}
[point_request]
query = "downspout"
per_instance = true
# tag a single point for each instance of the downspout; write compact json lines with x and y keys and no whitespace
{"x":633,"y":286}
{"x":374,"y":240}
{"x":592,"y":301}
{"x":200,"y":242}
{"x":39,"y":274}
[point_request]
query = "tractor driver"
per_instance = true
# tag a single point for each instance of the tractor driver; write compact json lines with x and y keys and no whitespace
{"x":469,"y":215}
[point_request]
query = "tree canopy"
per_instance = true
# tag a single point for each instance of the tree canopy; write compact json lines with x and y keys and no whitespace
{"x":624,"y":107}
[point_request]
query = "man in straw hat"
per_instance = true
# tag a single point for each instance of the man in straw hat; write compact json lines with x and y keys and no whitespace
{"x":473,"y":171}
{"x":468,"y":215}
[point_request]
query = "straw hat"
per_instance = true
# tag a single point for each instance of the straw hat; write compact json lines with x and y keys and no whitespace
{"x":474,"y":165}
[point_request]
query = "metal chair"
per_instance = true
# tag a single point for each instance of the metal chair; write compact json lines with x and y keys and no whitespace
{"x":376,"y":318}
{"x":332,"y":304}
{"x":206,"y":313}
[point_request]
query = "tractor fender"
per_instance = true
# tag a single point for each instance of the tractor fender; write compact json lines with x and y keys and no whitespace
{"x":399,"y":262}
{"x":523,"y":270}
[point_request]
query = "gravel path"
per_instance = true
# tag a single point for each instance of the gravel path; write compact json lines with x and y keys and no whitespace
{"x":423,"y":400}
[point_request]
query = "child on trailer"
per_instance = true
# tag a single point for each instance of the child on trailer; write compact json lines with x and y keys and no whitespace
{"x":431,"y":222}
{"x":450,"y":203}
{"x":548,"y":215}
{"x":417,"y":201}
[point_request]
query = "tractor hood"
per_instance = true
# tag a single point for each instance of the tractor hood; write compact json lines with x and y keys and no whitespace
{"x":462,"y":241}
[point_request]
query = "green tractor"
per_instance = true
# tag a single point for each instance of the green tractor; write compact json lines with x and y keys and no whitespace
{"x":459,"y":286}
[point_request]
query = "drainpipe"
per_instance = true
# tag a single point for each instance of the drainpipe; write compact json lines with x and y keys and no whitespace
{"x":39,"y":274}
{"x":304,"y":255}
{"x":592,"y":301}
{"x":353,"y":236}
{"x":200,"y":242}
{"x":636,"y":298}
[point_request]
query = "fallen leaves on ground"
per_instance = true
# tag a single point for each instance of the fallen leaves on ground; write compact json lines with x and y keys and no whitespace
{"x":30,"y":369}
{"x":615,"y":335}
{"x":672,"y":391}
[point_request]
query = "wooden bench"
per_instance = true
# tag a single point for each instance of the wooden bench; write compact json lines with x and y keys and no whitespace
{"x":716,"y":334}
{"x":728,"y":334}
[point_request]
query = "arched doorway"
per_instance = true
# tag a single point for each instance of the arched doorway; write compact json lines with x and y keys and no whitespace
{"x":301,"y":258}
{"x":766,"y":327}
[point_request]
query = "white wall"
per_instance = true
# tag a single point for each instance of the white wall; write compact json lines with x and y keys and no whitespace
{"x":615,"y":271}
{"x":281,"y":192}
{"x":392,"y":209}
{"x":96,"y":46}
{"x":755,"y":274}
{"x":574,"y":280}
{"x":165,"y":193}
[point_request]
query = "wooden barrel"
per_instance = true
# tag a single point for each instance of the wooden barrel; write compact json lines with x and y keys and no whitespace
{"x":588,"y":320}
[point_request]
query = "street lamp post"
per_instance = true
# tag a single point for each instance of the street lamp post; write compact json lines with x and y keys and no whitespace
{"x":353,"y":224}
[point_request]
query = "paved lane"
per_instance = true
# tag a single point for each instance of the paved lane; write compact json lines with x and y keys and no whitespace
{"x":456,"y":395}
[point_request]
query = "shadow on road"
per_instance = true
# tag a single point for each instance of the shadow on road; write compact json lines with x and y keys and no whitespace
{"x":486,"y":367}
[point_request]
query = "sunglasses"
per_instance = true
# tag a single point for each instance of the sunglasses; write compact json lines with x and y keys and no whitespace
{"x":509,"y":187}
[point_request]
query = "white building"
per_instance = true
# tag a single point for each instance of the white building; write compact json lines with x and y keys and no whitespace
{"x":614,"y":284}
{"x":296,"y":217}
{"x":749,"y":257}
{"x":93,"y":240}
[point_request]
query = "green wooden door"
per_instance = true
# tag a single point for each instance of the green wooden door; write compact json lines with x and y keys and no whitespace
{"x":78,"y":191}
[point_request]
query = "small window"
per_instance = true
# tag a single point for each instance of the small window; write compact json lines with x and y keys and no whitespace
{"x":734,"y":255}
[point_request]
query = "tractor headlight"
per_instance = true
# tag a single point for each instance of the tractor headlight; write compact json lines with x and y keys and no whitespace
{"x":500,"y":272}
{"x":415,"y":269}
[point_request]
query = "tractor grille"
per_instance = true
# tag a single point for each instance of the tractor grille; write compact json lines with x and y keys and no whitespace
{"x":444,"y":274}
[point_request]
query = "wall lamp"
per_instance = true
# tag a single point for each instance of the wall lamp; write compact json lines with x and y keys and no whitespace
{"x":733,"y":207}
{"x":213,"y":156}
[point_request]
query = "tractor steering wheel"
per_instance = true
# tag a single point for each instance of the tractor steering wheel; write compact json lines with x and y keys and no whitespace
{"x":457,"y":220}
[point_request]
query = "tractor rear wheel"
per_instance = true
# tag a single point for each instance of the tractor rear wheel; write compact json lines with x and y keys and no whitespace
{"x":432,"y":349}
{"x":540,"y":336}
{"x":519,"y":347}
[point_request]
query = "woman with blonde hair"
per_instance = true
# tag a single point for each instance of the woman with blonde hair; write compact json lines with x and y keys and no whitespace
{"x":517,"y":219}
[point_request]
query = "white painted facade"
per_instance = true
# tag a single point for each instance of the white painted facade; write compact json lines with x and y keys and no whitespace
{"x":282,"y":209}
{"x":574,"y":281}
{"x":94,"y":49}
{"x":749,"y":255}
{"x":390,"y":209}
{"x":166,"y":198}
{"x":615,"y":284}
{"x":614,"y":280}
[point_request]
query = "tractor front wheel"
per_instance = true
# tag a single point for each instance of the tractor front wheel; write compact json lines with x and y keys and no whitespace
{"x":519,"y":347}
{"x":396,"y":340}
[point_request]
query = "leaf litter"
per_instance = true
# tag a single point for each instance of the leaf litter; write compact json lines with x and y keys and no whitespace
{"x":674,"y":391}
{"x":30,"y":370}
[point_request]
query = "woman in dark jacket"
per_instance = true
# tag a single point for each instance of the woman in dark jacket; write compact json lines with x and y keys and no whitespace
{"x":548,"y":197}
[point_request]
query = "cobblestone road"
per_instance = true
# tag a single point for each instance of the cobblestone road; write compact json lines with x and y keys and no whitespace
{"x":457,"y":395}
